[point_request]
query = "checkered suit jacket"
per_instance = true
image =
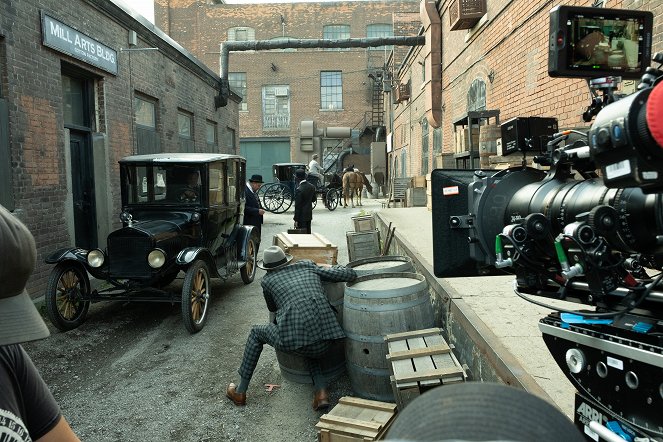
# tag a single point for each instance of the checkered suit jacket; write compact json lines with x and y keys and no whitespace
{"x":303,"y":313}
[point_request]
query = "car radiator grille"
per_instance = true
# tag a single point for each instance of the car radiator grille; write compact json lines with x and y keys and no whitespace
{"x":128,"y":257}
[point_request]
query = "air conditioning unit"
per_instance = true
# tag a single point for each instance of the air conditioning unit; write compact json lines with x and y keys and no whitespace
{"x":403,"y":92}
{"x":464,"y":14}
{"x":281,"y":91}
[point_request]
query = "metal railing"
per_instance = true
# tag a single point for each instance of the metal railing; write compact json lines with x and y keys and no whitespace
{"x":276,"y":121}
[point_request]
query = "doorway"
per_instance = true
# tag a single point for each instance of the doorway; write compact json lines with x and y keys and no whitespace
{"x":77,"y":93}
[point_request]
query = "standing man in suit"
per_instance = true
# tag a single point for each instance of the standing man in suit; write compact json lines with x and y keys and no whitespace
{"x":253,"y":213}
{"x":305,"y":322}
{"x":304,"y":197}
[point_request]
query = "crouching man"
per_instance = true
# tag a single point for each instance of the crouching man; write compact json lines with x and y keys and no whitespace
{"x":305,"y":321}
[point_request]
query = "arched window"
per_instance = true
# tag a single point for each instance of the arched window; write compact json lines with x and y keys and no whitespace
{"x":380,"y":30}
{"x":335,"y":32}
{"x":241,"y":33}
{"x":476,"y":96}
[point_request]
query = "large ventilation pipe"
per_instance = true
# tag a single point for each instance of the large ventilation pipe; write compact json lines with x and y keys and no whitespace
{"x":264,"y":45}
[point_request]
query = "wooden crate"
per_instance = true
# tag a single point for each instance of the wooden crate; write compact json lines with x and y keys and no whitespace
{"x":418,"y":181}
{"x":304,"y":246}
{"x":363,"y":244}
{"x":420,"y":360}
{"x":355,"y":419}
{"x":364,"y":223}
{"x":415,"y":197}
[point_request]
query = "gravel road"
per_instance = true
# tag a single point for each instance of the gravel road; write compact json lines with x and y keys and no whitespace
{"x":132,"y":372}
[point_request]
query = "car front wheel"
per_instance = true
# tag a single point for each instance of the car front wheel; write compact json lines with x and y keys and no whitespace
{"x":195,"y":296}
{"x":67,"y":296}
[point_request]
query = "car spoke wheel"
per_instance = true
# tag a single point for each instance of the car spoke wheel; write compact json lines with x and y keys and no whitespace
{"x":195,"y":296}
{"x":332,"y":199}
{"x":67,"y":296}
{"x":248,"y":271}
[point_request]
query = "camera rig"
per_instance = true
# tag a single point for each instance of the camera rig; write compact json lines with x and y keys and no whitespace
{"x":587,"y":230}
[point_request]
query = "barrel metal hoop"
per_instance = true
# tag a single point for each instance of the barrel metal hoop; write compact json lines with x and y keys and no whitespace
{"x":388,"y":293}
{"x":365,"y":338}
{"x":369,"y":370}
{"x":385,"y":307}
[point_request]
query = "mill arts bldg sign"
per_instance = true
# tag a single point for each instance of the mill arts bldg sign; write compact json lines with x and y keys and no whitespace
{"x":68,"y":40}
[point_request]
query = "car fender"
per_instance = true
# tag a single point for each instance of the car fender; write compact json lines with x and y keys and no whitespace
{"x":68,"y":254}
{"x":243,"y":235}
{"x":191,"y":254}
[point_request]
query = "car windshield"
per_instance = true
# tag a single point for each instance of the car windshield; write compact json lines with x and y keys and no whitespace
{"x":162,"y":184}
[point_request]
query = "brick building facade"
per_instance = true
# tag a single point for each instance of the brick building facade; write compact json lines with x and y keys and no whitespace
{"x":500,"y":64}
{"x":82,"y":84}
{"x":287,"y":86}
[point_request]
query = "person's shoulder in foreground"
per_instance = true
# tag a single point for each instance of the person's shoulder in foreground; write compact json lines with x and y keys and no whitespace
{"x":28,"y":410}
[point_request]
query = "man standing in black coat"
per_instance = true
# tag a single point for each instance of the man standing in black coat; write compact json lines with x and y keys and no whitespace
{"x":304,"y":197}
{"x":253,"y":213}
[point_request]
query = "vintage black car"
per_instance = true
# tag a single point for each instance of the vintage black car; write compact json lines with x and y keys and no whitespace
{"x":180,"y":213}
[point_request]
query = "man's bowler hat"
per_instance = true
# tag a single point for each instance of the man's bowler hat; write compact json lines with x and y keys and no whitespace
{"x":256,"y":179}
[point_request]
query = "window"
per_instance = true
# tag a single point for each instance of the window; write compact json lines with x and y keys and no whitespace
{"x":276,"y":107}
{"x":437,"y":141}
{"x":211,"y":136}
{"x":380,"y":30}
{"x":237,"y":81}
{"x":147,"y":138}
{"x":241,"y":33}
{"x":217,"y":180}
{"x":424,"y":146}
{"x":185,"y":131}
{"x":231,"y":140}
{"x":331,"y":90}
{"x":335,"y":32}
{"x":476,"y":96}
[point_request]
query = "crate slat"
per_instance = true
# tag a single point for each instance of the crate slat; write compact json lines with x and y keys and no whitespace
{"x":423,"y":351}
{"x":356,"y":420}
{"x":412,"y":334}
{"x":432,"y":374}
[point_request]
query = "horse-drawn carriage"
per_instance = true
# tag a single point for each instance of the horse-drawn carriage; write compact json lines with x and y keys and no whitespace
{"x":277,"y":197}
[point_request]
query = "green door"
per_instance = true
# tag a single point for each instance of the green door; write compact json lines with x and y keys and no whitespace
{"x":262,"y":154}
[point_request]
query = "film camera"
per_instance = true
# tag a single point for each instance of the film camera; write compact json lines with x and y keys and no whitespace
{"x":588,"y":230}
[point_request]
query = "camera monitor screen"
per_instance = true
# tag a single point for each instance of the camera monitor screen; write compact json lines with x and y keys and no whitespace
{"x":596,"y":42}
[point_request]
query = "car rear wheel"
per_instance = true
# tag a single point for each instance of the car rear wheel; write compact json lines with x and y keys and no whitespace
{"x":248,"y":271}
{"x":67,"y":296}
{"x":195,"y":296}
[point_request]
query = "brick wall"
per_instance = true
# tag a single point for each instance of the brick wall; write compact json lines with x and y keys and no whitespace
{"x":202,"y":27}
{"x":513,"y":46}
{"x":36,"y":124}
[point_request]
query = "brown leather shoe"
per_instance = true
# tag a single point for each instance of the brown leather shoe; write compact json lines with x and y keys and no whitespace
{"x":320,"y":400}
{"x":237,"y":398}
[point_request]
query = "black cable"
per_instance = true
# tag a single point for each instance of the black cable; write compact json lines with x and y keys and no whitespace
{"x":644,"y":295}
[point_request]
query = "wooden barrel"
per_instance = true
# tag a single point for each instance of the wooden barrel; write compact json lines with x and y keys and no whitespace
{"x":376,"y":305}
{"x":382,"y":264}
{"x":488,"y":135}
{"x":293,"y":367}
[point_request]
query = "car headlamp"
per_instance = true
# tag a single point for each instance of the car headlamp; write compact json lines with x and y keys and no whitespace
{"x":95,"y":258}
{"x":156,"y":258}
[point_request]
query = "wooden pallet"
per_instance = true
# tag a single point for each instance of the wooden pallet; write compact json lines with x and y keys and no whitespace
{"x":421,"y":360}
{"x":355,"y":419}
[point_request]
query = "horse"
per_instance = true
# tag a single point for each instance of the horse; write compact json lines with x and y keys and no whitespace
{"x":353,"y":184}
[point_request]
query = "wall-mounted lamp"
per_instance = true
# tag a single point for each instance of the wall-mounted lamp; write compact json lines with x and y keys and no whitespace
{"x":491,"y":76}
{"x":274,"y":67}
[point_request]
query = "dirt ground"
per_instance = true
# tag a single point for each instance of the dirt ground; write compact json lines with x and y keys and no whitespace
{"x":132,"y":372}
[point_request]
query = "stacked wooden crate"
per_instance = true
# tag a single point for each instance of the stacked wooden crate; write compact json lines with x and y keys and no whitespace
{"x":304,"y":246}
{"x":364,"y":242}
{"x":420,"y":360}
{"x":355,"y":419}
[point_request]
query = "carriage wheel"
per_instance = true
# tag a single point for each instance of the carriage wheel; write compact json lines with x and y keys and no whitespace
{"x":332,"y":198}
{"x":272,"y":197}
{"x":284,"y":194}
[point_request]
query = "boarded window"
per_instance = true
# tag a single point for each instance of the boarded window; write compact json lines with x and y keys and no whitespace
{"x":185,"y":131}
{"x":147,"y":137}
{"x":241,"y":33}
{"x":211,"y":136}
{"x":276,"y":107}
